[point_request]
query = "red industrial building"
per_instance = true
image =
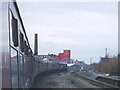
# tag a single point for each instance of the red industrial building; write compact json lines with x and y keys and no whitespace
{"x":63,"y":57}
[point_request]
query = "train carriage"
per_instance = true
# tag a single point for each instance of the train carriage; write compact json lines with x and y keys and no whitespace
{"x":19,"y":65}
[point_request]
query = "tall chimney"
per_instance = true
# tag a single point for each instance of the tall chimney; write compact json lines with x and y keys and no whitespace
{"x":36,"y":45}
{"x":106,"y":52}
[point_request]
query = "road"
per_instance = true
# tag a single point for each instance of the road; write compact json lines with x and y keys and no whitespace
{"x":61,"y":80}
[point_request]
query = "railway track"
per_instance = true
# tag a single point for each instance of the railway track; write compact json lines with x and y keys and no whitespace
{"x":96,"y":82}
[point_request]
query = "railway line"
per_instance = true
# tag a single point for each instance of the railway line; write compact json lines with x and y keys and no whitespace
{"x":70,"y":79}
{"x":95,"y":82}
{"x":61,"y":80}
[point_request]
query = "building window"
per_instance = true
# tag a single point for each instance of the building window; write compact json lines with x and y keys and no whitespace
{"x":65,"y":53}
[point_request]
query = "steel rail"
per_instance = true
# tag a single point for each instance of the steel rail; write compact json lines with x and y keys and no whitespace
{"x":96,"y":82}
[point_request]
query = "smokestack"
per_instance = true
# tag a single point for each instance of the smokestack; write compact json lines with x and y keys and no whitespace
{"x":36,"y":45}
{"x":106,"y":52}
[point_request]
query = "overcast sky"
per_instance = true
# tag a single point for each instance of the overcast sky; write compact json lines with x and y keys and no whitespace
{"x":84,"y":28}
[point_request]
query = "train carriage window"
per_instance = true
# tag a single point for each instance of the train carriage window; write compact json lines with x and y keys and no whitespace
{"x":15,"y":31}
{"x":25,"y":48}
{"x":14,"y":68}
{"x":21,"y":42}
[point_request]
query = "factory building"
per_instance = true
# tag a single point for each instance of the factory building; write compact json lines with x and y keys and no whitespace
{"x":63,"y":57}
